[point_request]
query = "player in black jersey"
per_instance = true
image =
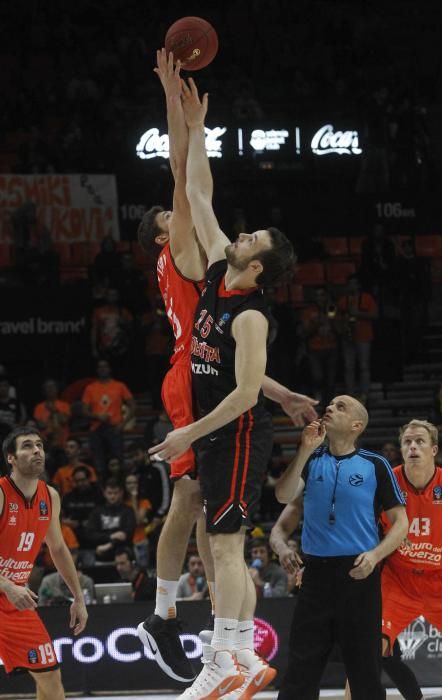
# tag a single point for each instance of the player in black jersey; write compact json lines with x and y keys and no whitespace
{"x":232,"y":436}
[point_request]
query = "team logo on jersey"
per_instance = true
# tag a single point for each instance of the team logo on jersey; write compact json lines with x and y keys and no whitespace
{"x":222,"y":322}
{"x":355,"y":479}
{"x":404,"y":496}
{"x":32,"y":656}
{"x":437,"y":495}
{"x":13,"y":507}
{"x":44,"y":510}
{"x":12,"y":520}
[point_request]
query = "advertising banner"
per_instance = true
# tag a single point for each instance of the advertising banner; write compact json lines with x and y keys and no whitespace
{"x":71,"y":207}
{"x":108,"y":656}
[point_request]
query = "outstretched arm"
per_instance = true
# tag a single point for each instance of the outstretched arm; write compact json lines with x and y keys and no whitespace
{"x":298,"y":407}
{"x":185,"y":250}
{"x":199,"y":185}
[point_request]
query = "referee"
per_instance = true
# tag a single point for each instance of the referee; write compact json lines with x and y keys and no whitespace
{"x":346,"y":488}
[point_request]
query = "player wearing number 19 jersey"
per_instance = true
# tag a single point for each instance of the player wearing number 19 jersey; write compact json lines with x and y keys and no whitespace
{"x":29,"y":515}
{"x":412,"y":575}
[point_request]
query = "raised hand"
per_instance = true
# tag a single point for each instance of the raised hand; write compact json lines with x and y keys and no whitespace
{"x":168,"y":74}
{"x":299,"y":408}
{"x":313,"y":435}
{"x":194,"y":109}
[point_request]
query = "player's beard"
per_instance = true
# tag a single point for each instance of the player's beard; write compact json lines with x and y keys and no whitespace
{"x":234,"y":260}
{"x":32,"y":469}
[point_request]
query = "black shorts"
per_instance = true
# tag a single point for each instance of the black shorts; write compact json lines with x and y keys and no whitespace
{"x":232,"y":463}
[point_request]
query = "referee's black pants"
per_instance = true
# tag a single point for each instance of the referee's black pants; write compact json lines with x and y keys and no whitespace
{"x":333,"y":607}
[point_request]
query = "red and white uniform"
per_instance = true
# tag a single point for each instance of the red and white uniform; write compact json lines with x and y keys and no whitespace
{"x":412,"y":575}
{"x":24,"y":640}
{"x":180,"y":296}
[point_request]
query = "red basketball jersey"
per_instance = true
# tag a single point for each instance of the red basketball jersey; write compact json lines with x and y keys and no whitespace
{"x":424,"y":509}
{"x":23,"y":527}
{"x":180,"y":296}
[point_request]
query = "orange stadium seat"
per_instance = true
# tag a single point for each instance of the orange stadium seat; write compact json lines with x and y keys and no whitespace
{"x":335,"y":246}
{"x":310,"y":273}
{"x":429,"y":246}
{"x":355,"y":245}
{"x":337,"y":272}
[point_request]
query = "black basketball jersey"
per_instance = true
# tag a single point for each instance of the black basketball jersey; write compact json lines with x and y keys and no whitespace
{"x":213,"y":346}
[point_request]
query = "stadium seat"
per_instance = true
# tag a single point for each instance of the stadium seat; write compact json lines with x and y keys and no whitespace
{"x":355,"y":245}
{"x":429,"y":246}
{"x":310,"y":273}
{"x":296,"y":293}
{"x":337,"y":272}
{"x":335,"y":246}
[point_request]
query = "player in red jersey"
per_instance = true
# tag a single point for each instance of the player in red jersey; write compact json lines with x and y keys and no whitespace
{"x":181,"y":269}
{"x":29,"y":515}
{"x":411,"y":579}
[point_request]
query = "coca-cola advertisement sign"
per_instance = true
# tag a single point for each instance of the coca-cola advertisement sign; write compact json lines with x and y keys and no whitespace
{"x":153,"y":144}
{"x":326,"y":140}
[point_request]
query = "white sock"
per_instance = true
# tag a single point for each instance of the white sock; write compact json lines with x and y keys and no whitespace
{"x":244,"y":635}
{"x":166,"y":598}
{"x":224,"y":633}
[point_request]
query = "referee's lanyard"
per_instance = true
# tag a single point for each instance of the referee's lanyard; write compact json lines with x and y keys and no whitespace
{"x":332,"y":514}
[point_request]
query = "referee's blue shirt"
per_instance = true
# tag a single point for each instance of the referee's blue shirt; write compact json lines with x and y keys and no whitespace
{"x":343,"y":499}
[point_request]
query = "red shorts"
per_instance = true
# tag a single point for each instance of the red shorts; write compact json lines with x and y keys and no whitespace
{"x":24,"y":640}
{"x":176,"y":394}
{"x":406,"y":594}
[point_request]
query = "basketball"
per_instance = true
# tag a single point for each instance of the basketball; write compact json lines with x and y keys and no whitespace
{"x":193,"y":41}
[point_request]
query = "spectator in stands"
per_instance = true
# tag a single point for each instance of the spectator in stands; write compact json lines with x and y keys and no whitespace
{"x":356,"y":312}
{"x":414,"y":277}
{"x":193,"y":585}
{"x":319,"y":326}
{"x":377,"y":262}
{"x":115,"y":469}
{"x":111,"y":524}
{"x":131,"y":284}
{"x":391,"y":452}
{"x":263,"y":570}
{"x":52,"y":416}
{"x":103,"y":401}
{"x":111,"y":332}
{"x":78,"y":504}
{"x":63,"y":477}
{"x":157,"y":429}
{"x":141,"y":507}
{"x":294,"y":578}
{"x":12,"y":411}
{"x":54,"y":591}
{"x":143,"y":585}
{"x":107,"y":263}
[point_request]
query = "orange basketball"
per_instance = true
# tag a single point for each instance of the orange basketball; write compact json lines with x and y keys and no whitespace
{"x":193,"y":41}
